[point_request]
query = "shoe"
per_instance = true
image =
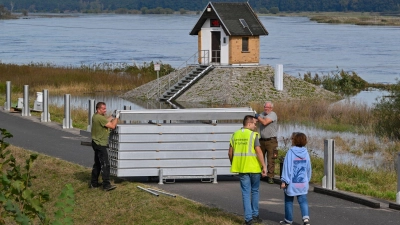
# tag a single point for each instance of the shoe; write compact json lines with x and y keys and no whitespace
{"x":251,"y":222}
{"x":306,"y":222}
{"x":109,"y":188}
{"x":95,"y":185}
{"x":271,"y":181}
{"x":284,"y":223}
{"x":257,"y":219}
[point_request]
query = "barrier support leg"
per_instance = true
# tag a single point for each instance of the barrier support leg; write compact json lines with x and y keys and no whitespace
{"x":160,"y":177}
{"x":215,"y":176}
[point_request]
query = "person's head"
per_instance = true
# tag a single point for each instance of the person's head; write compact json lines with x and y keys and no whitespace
{"x":101,"y":108}
{"x":268,"y":106}
{"x":299,"y":139}
{"x":249,"y":122}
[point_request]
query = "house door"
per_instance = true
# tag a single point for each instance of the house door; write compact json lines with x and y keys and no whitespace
{"x":216,"y":47}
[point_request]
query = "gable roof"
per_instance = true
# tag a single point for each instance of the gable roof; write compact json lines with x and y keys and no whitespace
{"x":229,"y":15}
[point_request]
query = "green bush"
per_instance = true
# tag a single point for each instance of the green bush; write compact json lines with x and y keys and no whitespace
{"x":340,"y":82}
{"x":18,"y":200}
{"x":274,"y":10}
{"x":387,"y":111}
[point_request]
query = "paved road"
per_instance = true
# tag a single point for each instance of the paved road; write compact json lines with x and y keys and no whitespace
{"x":51,"y":139}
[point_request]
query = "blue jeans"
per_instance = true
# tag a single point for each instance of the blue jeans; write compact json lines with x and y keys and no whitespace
{"x":250,"y":183}
{"x":302,"y":199}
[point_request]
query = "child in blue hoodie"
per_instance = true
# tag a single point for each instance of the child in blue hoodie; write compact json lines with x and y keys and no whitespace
{"x":296,"y":175}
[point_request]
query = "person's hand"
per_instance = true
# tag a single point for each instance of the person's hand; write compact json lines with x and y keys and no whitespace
{"x":283,"y":185}
{"x":117,"y":114}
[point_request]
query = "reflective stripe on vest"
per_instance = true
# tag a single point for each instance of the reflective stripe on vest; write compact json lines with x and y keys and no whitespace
{"x":249,"y":148}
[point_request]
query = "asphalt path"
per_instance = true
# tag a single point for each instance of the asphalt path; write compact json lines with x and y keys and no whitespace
{"x":51,"y":139}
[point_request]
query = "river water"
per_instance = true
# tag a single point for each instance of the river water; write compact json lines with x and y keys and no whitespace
{"x":297,"y":43}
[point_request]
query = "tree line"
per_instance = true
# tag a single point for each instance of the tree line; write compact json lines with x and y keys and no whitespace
{"x":198,"y":5}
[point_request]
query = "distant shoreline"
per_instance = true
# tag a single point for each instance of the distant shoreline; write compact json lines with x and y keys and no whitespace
{"x":355,"y":18}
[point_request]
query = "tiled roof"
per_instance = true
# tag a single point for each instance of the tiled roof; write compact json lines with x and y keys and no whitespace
{"x":230,"y":14}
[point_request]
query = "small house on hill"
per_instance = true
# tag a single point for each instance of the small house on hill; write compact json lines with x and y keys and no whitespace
{"x":229,"y":34}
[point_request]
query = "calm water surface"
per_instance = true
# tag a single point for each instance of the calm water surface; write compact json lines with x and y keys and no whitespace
{"x":297,"y":43}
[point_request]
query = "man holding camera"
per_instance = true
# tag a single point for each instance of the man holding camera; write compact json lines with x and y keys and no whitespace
{"x":269,"y":143}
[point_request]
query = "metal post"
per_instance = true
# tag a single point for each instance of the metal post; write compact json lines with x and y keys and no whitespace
{"x":92,"y":110}
{"x":7,"y":105}
{"x":45,"y":116}
{"x":160,"y":176}
{"x":215,"y":175}
{"x":67,"y":121}
{"x":398,"y":180}
{"x":328,"y":181}
{"x":278,"y":80}
{"x":127,"y":108}
{"x":25,"y":108}
{"x":158,"y":76}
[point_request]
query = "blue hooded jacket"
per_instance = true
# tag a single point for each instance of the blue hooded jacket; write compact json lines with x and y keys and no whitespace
{"x":296,"y":171}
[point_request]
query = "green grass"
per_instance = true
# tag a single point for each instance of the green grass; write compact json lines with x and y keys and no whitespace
{"x":375,"y":183}
{"x":125,"y":205}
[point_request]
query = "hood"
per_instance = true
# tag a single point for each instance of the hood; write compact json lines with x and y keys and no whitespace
{"x":300,"y":152}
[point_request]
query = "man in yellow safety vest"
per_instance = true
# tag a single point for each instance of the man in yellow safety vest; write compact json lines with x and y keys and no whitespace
{"x":247,"y":159}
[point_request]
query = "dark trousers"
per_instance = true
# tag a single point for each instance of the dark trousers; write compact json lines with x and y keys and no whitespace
{"x":267,"y":148}
{"x":101,"y":165}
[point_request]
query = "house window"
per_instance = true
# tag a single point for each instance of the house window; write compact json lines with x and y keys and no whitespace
{"x":214,"y":23}
{"x":245,"y":44}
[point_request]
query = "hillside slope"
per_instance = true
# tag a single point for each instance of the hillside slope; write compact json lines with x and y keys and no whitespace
{"x":239,"y":86}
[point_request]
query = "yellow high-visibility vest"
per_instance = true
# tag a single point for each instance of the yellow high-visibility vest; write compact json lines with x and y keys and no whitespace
{"x":244,"y":155}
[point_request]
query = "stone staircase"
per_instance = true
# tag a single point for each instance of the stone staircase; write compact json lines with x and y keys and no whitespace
{"x":183,"y":84}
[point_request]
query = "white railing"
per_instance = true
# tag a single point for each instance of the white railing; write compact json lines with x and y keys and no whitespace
{"x":200,"y":57}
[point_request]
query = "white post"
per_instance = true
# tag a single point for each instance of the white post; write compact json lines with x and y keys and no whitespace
{"x":278,"y":80}
{"x":25,"y":108}
{"x":45,"y":116}
{"x":92,"y":110}
{"x":398,"y":180}
{"x":157,"y":68}
{"x":328,"y":181}
{"x":7,"y":105}
{"x":67,"y":121}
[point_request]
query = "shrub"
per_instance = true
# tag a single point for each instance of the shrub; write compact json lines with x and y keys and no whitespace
{"x":274,"y":10}
{"x":387,"y":111}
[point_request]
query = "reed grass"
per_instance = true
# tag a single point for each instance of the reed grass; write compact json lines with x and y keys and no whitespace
{"x":87,"y":79}
{"x":125,"y":205}
{"x":351,"y":117}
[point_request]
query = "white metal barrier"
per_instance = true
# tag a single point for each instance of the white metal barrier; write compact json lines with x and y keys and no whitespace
{"x":185,"y":147}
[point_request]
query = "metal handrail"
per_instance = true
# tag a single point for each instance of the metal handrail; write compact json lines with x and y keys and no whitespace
{"x":200,"y":57}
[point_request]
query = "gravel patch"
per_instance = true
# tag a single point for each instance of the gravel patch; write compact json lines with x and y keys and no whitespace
{"x":237,"y":86}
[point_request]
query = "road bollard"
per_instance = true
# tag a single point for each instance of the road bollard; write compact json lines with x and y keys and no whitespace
{"x":328,"y":181}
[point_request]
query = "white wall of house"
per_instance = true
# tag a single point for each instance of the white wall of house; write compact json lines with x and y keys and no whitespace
{"x":206,"y":41}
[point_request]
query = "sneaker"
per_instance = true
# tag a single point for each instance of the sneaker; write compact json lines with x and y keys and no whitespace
{"x":306,"y":222}
{"x":257,"y":219}
{"x":251,"y":222}
{"x":271,"y":180}
{"x":284,"y":223}
{"x":95,"y":185}
{"x":109,"y":188}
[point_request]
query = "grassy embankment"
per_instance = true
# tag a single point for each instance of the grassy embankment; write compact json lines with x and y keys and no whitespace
{"x":354,"y":118}
{"x":356,"y":18}
{"x":125,"y":205}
